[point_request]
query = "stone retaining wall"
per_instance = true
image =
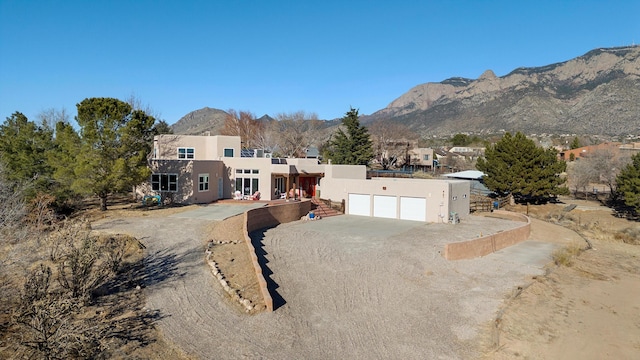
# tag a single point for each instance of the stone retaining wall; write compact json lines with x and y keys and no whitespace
{"x":491,"y":243}
{"x":270,"y":216}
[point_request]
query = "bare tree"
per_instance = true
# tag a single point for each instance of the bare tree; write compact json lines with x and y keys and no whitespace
{"x":136,"y":104}
{"x":50,"y":117}
{"x":606,"y":165}
{"x":391,"y":143}
{"x":245,"y":125}
{"x":581,"y":175}
{"x":295,"y":132}
{"x":599,"y":167}
{"x":12,"y":208}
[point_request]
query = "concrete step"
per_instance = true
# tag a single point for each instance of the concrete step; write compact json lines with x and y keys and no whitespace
{"x":321,"y":209}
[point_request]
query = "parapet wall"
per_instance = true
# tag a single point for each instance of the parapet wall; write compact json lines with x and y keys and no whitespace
{"x":264,"y":217}
{"x":491,"y":243}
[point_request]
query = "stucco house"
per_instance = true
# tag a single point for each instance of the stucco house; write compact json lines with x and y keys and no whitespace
{"x":203,"y":169}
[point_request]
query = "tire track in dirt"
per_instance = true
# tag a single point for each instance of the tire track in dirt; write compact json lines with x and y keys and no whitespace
{"x":359,"y":291}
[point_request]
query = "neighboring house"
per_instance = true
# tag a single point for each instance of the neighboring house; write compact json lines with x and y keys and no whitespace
{"x":576,"y":154}
{"x":475,"y":177}
{"x":312,"y":152}
{"x":203,"y":169}
{"x":421,"y":159}
{"x":632,"y":148}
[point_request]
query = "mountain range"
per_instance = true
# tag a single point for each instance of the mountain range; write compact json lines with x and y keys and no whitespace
{"x":597,"y":93}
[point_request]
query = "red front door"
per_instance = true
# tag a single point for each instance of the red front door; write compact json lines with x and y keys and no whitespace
{"x":308,"y":184}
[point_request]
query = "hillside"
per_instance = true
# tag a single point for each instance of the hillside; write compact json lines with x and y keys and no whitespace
{"x":200,"y":121}
{"x":597,"y":93}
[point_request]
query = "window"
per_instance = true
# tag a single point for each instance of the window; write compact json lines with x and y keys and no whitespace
{"x":164,"y":182}
{"x":203,"y":182}
{"x":228,"y":152}
{"x":247,"y":183}
{"x":426,"y":157}
{"x":186,"y":153}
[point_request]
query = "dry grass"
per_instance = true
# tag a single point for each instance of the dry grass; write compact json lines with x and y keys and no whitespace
{"x":629,"y":235}
{"x":564,"y":256}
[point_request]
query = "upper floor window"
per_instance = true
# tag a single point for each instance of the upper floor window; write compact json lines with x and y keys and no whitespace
{"x":425,"y":157}
{"x":186,"y":153}
{"x":228,"y":152}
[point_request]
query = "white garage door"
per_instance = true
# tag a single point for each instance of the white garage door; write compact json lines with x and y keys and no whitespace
{"x":385,"y":206}
{"x":359,"y":204}
{"x":413,"y":208}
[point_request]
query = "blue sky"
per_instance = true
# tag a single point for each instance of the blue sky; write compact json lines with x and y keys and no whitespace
{"x":269,"y":57}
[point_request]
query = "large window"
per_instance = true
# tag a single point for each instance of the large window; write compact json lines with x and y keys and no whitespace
{"x":164,"y":182}
{"x":228,"y":152}
{"x":203,"y":182}
{"x":186,"y":153}
{"x":247,"y":181}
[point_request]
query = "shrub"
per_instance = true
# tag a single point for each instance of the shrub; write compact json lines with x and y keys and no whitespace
{"x":564,"y":256}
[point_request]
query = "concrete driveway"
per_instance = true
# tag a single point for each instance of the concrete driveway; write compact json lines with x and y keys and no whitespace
{"x":217,"y":211}
{"x":349,"y":287}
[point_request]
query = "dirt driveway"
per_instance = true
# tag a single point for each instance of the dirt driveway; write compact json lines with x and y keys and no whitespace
{"x":347,"y":287}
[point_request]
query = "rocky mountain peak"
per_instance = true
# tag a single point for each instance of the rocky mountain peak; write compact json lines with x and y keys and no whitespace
{"x":596,"y":93}
{"x":487,"y":75}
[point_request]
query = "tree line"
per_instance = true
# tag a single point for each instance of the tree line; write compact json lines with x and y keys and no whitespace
{"x":106,"y":154}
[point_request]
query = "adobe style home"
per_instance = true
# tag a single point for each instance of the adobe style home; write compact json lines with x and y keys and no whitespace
{"x":192,"y":169}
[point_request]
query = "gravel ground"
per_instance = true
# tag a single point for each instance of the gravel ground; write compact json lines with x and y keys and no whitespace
{"x":345,"y":287}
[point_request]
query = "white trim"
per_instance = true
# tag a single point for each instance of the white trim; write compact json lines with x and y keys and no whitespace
{"x":187,"y":155}
{"x":205,"y":182}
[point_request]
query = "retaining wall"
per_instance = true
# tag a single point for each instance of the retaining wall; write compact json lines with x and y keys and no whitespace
{"x":265,"y":217}
{"x":491,"y":243}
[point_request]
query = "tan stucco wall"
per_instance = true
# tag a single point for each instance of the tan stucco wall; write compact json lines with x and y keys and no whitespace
{"x":417,"y":156}
{"x":205,"y":147}
{"x":345,"y":171}
{"x":263,"y":165}
{"x":188,"y":172}
{"x":491,"y":243}
{"x":439,"y":194}
{"x":260,"y":218}
{"x":215,"y":169}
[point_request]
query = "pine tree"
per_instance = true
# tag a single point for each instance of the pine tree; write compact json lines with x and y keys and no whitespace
{"x":23,"y":148}
{"x":353,"y":147}
{"x":629,"y":183}
{"x":575,"y":143}
{"x":114,"y":143}
{"x":62,"y":159}
{"x":516,"y":166}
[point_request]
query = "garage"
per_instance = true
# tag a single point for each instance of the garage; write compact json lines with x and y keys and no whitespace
{"x":360,"y":204}
{"x":412,"y":208}
{"x":385,"y":206}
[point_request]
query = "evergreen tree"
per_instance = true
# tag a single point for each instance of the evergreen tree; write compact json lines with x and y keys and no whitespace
{"x":575,"y":143}
{"x":629,"y":183}
{"x":63,"y":159}
{"x":353,"y":147}
{"x":161,"y":127}
{"x":516,"y":166}
{"x":23,"y":148}
{"x":460,"y":140}
{"x":114,"y":143}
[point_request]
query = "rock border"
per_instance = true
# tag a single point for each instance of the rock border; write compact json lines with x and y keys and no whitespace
{"x":234,"y":293}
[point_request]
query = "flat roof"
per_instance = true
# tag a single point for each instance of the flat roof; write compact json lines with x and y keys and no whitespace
{"x":467,"y":174}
